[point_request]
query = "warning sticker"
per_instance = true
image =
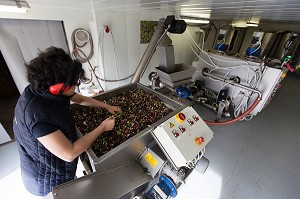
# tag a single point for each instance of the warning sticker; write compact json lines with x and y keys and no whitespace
{"x":171,"y":125}
{"x":151,"y":160}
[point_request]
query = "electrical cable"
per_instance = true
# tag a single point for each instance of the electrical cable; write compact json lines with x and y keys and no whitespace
{"x":101,"y":52}
{"x":116,"y":58}
{"x":80,"y":56}
{"x":204,"y":52}
{"x":242,"y":107}
{"x":75,"y":39}
{"x":91,"y":68}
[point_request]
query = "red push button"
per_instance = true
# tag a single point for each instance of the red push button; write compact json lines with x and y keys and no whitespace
{"x":191,"y":122}
{"x":181,"y":116}
{"x":175,"y":133}
{"x":182,"y":129}
{"x":195,"y":118}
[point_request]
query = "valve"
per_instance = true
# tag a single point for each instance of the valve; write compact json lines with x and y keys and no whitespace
{"x":106,"y":29}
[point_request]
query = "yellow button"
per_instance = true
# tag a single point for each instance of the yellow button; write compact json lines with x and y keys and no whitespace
{"x":199,"y":140}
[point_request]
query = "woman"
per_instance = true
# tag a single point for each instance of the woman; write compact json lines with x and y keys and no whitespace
{"x":44,"y":126}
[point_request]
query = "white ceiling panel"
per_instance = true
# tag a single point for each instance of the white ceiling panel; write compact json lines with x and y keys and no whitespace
{"x":266,"y":10}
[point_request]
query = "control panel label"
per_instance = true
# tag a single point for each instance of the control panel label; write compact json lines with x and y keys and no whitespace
{"x":151,"y":160}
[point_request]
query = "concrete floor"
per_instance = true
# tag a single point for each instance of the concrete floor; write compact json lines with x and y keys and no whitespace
{"x":248,"y":160}
{"x":7,"y":109}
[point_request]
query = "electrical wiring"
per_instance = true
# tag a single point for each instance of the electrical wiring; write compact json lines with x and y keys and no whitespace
{"x":101,"y":52}
{"x":202,"y":31}
{"x":242,"y":105}
{"x":202,"y":47}
{"x":214,"y":66}
{"x":252,"y":80}
{"x":197,"y":46}
{"x":116,"y":58}
{"x":193,"y":41}
{"x":191,"y":47}
{"x":80,"y":56}
{"x":204,"y":52}
{"x":91,"y":68}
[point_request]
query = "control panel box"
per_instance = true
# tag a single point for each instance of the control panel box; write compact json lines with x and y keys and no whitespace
{"x":182,"y":137}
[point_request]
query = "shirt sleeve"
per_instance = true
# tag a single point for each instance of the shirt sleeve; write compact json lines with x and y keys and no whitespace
{"x":43,"y":128}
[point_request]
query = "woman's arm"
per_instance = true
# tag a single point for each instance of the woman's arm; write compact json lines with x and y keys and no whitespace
{"x":58,"y":144}
{"x":88,"y":101}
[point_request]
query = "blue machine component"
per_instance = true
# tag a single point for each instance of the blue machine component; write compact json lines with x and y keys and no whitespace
{"x":163,"y":190}
{"x":254,"y":48}
{"x":183,"y":92}
{"x":221,"y":47}
{"x":253,"y":51}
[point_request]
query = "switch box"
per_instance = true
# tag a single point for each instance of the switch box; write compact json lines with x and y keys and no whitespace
{"x":182,"y":137}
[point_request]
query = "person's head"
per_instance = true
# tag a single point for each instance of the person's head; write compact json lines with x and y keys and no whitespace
{"x":52,"y":67}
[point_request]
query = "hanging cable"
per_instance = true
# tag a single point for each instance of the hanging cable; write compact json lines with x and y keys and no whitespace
{"x":241,"y":109}
{"x":115,"y":60}
{"x":91,"y":68}
{"x":115,"y":57}
{"x":80,"y":38}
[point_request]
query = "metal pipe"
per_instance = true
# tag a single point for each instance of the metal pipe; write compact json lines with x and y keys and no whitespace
{"x":206,"y":73}
{"x":159,"y":31}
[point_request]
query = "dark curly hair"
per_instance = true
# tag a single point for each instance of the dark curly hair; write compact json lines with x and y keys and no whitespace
{"x":51,"y":67}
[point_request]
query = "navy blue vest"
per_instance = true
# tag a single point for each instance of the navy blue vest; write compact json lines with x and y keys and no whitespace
{"x":40,"y":169}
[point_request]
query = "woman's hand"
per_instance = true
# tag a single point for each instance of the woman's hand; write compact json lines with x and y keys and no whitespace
{"x":108,"y":124}
{"x":113,"y":109}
